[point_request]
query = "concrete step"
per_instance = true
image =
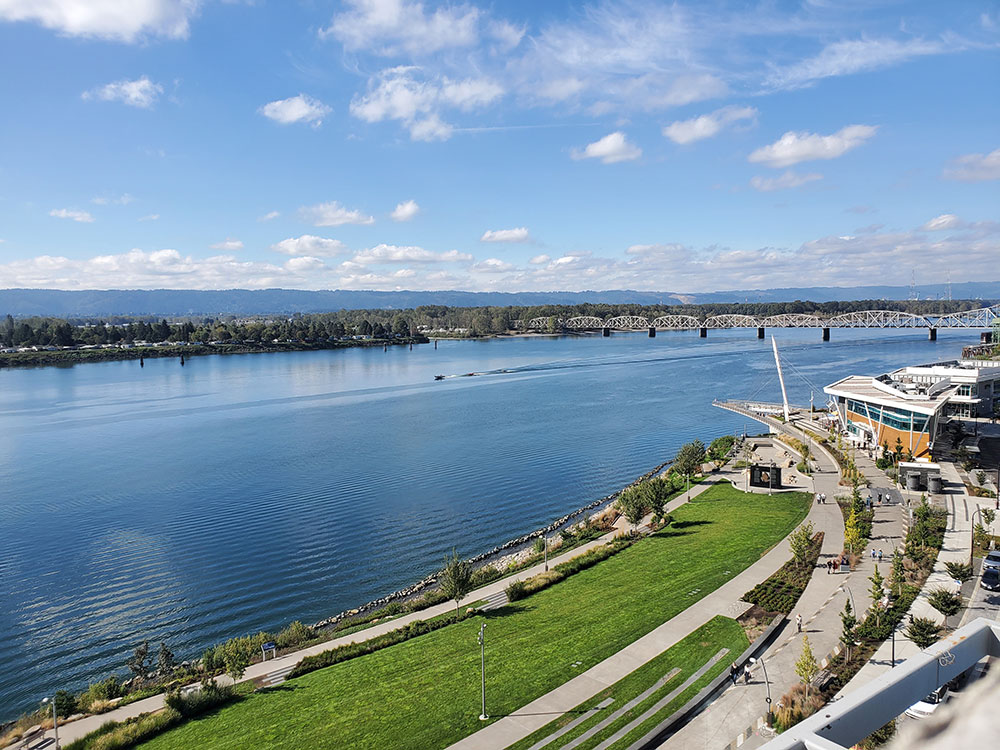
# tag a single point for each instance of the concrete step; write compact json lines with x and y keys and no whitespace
{"x":495,"y":601}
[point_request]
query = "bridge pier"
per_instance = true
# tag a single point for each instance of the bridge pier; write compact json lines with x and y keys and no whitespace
{"x":703,"y":332}
{"x":605,"y":331}
{"x":760,"y":332}
{"x":932,"y":334}
{"x":826,"y":334}
{"x":652,"y":332}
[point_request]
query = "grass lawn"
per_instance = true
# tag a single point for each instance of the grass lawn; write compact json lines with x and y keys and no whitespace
{"x":424,"y":693}
{"x":688,"y":655}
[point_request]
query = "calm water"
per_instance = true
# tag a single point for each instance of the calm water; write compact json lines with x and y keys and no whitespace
{"x":239,"y":493}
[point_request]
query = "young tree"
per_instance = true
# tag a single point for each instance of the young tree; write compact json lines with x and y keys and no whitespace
{"x":959,"y":571}
{"x":849,"y":623}
{"x":853,"y":539}
{"x":989,"y":516}
{"x":806,"y":667}
{"x":946,"y":602}
{"x":897,"y":574}
{"x":235,"y":659}
{"x":165,"y":660}
{"x":632,"y":503}
{"x":923,"y":631}
{"x":876,"y":591}
{"x":690,"y":458}
{"x":139,"y":662}
{"x":456,"y":579}
{"x":799,"y":540}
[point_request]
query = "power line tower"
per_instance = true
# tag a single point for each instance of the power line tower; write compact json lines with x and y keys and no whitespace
{"x":949,"y":286}
{"x":913,"y":284}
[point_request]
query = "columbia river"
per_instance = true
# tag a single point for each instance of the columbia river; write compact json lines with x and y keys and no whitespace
{"x":192,"y":504}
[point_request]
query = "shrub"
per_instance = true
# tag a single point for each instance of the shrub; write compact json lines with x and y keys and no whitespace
{"x":959,"y":571}
{"x":121,"y":735}
{"x":201,"y":701}
{"x":516,"y":590}
{"x":294,"y":634}
{"x":946,"y":602}
{"x":795,"y":705}
{"x":486,"y":574}
{"x":923,"y":632}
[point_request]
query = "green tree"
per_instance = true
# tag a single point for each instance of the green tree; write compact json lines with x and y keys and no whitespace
{"x":799,"y":541}
{"x":690,"y":458}
{"x":456,"y":578}
{"x":234,"y":657}
{"x":989,"y":515}
{"x":854,"y":540}
{"x":959,"y":571}
{"x":139,"y":663}
{"x":876,"y":591}
{"x":806,"y":667}
{"x":923,"y":631}
{"x":848,"y":623}
{"x":948,"y":603}
{"x":633,"y":504}
{"x":897,"y":574}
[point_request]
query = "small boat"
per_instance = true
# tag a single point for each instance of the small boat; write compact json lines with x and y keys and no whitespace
{"x":439,"y":377}
{"x":470,"y":374}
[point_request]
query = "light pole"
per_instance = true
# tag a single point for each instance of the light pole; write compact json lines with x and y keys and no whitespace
{"x":55,"y":721}
{"x":545,"y":541}
{"x":767,"y":684}
{"x":482,"y":658}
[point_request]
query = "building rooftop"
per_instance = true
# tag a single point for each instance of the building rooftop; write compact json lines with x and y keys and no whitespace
{"x":894,"y":393}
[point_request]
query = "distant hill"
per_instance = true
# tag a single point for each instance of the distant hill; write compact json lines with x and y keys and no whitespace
{"x":170,"y":302}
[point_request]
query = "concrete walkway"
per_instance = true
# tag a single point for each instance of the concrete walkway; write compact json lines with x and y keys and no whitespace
{"x":274,"y":670}
{"x":733,"y":718}
{"x":723,"y":601}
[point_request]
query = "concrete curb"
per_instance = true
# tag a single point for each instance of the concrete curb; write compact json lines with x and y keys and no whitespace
{"x":662,"y":732}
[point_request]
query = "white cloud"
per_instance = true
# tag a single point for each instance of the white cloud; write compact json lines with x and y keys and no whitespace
{"x":705,"y":126}
{"x":851,"y":56}
{"x":103,"y":200}
{"x":403,"y":93}
{"x":269,"y":215}
{"x":301,"y":108}
{"x":305,"y":264}
{"x":944,"y":221}
{"x":120,"y":20}
{"x":388,"y":27}
{"x":141,"y":93}
{"x":228,"y":245}
{"x":149,"y":217}
{"x":540,"y":259}
{"x":787,"y":180}
{"x":492,"y":265}
{"x":793,"y":148}
{"x":72,"y":213}
{"x":310,"y":245}
{"x":610,"y":149}
{"x":332,"y":214}
{"x":975,"y":167}
{"x":519,"y":234}
{"x":406,"y":254}
{"x":405,"y":211}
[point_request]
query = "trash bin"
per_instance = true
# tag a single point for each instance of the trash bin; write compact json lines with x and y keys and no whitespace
{"x":913,"y":480}
{"x":934,"y":484}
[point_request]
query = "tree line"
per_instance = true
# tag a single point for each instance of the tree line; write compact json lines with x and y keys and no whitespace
{"x":471,"y":321}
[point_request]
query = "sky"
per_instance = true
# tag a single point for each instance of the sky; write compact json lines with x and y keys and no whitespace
{"x":510,"y":146}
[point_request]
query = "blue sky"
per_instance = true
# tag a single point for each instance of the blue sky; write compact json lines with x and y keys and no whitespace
{"x":389,"y":144}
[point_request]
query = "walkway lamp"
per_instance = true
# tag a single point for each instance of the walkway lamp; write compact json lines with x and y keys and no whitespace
{"x":545,"y":546}
{"x":482,"y":657}
{"x":767,"y":684}
{"x":55,"y":721}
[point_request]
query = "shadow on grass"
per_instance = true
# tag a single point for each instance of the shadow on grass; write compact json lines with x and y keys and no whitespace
{"x":686,"y":524}
{"x":282,"y":688}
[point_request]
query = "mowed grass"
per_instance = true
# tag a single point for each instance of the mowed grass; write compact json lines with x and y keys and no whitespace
{"x":424,"y":693}
{"x":688,"y":655}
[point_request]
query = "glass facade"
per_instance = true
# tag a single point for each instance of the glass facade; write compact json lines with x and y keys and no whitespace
{"x":897,"y":419}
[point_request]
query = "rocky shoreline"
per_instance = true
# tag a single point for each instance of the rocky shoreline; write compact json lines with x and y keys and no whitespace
{"x":501,"y":555}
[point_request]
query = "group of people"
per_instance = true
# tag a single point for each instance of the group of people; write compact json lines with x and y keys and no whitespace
{"x":834,"y":565}
{"x":735,"y":672}
{"x":820,"y":498}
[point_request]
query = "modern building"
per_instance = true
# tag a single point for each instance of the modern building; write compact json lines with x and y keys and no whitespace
{"x":911,"y":404}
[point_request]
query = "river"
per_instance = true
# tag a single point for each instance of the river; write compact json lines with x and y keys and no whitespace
{"x":192,"y":504}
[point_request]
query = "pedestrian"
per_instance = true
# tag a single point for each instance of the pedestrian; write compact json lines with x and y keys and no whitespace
{"x":829,"y":566}
{"x":836,"y":566}
{"x":733,"y":672}
{"x":880,"y":555}
{"x":746,"y":675}
{"x":873,"y":553}
{"x":798,"y":622}
{"x":817,"y":500}
{"x":843,"y":561}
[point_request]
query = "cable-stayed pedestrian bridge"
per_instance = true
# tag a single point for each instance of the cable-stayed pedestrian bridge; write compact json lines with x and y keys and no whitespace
{"x":983,"y":317}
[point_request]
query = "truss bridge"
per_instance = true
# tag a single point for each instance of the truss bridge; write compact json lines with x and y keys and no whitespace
{"x":983,"y":317}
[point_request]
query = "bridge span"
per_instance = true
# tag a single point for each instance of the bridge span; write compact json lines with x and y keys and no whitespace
{"x":983,"y":317}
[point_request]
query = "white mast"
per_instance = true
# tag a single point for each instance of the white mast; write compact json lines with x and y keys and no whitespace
{"x":781,"y":379}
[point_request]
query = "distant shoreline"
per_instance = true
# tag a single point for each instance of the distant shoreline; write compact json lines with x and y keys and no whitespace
{"x":66,"y":357}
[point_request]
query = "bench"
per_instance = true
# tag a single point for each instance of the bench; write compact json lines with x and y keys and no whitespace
{"x":822,"y":679}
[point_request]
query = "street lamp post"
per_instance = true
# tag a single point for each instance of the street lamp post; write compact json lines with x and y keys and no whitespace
{"x":482,"y":657}
{"x":767,"y":684}
{"x":55,"y":721}
{"x":545,"y":539}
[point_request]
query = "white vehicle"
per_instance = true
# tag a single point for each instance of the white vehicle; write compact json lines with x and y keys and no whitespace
{"x":992,"y":560}
{"x":927,"y":707}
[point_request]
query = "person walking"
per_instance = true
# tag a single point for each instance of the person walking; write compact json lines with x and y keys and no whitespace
{"x":733,"y":672}
{"x":746,"y":674}
{"x":798,"y":622}
{"x":829,"y":566}
{"x":880,"y":555}
{"x":836,"y":566}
